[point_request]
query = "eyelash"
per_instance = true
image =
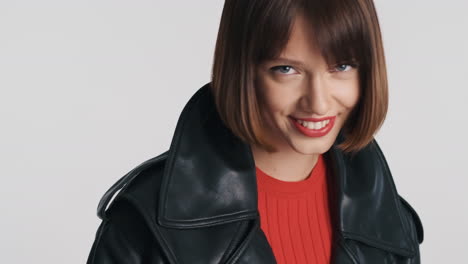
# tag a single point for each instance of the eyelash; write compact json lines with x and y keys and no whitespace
{"x":352,"y":65}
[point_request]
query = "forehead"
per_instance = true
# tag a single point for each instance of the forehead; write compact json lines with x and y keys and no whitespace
{"x":301,"y":45}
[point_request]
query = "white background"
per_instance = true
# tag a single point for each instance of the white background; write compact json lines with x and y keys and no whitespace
{"x":90,"y":89}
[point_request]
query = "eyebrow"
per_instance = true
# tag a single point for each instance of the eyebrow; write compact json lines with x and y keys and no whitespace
{"x":302,"y":64}
{"x":289,"y":61}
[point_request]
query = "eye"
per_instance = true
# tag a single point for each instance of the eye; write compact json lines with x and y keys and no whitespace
{"x":344,"y":67}
{"x":282,"y":68}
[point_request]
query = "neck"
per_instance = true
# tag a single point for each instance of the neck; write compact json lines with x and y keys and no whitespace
{"x":284,"y":165}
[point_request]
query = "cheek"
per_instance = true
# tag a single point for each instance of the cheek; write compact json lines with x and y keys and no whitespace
{"x":274,"y":97}
{"x":348,"y":95}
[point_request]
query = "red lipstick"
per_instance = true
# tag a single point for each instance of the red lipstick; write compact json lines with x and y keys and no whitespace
{"x":314,"y":132}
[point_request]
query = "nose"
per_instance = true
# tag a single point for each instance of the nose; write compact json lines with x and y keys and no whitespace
{"x":316,"y":97}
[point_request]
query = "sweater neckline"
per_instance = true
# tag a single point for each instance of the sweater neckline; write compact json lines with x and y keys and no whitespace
{"x":267,"y":183}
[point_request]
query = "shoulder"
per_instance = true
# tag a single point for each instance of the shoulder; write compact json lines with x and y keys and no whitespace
{"x":139,"y":187}
{"x":416,"y":227}
{"x":413,"y":219}
{"x":126,"y":210}
{"x":414,"y":223}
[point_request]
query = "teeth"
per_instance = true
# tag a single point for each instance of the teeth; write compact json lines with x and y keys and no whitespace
{"x":313,"y":125}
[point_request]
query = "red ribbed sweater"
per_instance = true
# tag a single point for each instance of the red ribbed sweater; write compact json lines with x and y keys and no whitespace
{"x":295,"y":218}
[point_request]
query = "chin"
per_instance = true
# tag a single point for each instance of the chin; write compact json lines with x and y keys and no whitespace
{"x":316,"y":147}
{"x":310,"y":145}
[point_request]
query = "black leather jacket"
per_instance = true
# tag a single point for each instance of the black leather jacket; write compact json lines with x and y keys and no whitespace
{"x":197,"y":203}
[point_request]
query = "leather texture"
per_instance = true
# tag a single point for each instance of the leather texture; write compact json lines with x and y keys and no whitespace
{"x":197,"y":203}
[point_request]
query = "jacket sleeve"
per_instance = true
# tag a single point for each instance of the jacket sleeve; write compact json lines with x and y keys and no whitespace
{"x":416,"y":228}
{"x":123,"y":237}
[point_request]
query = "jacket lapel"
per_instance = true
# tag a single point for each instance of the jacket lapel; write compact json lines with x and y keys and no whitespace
{"x":209,"y":176}
{"x":209,"y":179}
{"x":365,"y":205}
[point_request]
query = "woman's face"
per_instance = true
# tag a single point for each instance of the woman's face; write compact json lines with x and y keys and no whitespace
{"x":300,"y":86}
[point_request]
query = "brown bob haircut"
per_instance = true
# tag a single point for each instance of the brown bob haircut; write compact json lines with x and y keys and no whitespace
{"x":252,"y":31}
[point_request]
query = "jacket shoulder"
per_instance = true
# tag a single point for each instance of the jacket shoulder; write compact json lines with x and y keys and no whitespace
{"x":142,"y":180}
{"x":414,"y":218}
{"x":125,"y":235}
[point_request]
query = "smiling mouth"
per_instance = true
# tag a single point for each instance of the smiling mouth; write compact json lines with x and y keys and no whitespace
{"x":314,"y":123}
{"x":314,"y":129}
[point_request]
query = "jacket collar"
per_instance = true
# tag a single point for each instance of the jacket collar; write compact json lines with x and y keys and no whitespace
{"x":209,"y":179}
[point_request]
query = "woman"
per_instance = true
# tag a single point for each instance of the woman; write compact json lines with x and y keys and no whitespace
{"x":274,"y":160}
